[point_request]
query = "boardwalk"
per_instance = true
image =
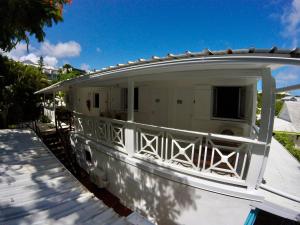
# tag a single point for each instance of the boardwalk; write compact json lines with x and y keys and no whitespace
{"x":35,"y":188}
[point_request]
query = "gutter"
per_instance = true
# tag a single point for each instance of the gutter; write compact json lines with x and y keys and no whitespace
{"x":280,"y":193}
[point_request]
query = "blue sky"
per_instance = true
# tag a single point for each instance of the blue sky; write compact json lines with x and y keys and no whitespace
{"x":100,"y":33}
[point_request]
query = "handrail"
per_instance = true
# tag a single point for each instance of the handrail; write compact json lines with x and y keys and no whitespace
{"x":180,"y":131}
{"x":213,"y":135}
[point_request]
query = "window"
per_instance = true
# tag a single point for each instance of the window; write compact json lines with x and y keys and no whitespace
{"x":125,"y":98}
{"x":96,"y":100}
{"x":229,"y":102}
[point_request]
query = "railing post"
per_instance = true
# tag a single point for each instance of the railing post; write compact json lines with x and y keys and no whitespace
{"x":129,"y":129}
{"x":256,"y":161}
{"x":130,"y":139}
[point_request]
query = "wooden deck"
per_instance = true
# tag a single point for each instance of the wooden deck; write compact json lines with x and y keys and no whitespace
{"x":35,"y":188}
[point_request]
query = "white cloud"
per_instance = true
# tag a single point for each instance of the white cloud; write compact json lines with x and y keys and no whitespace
{"x":291,"y":22}
{"x":85,"y":66}
{"x":61,"y":49}
{"x":98,"y":50}
{"x":50,"y":61}
{"x":50,"y":52}
{"x":20,"y":50}
{"x":288,"y":76}
{"x":32,"y":57}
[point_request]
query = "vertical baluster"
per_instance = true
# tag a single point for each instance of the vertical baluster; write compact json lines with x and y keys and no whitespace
{"x":136,"y":135}
{"x":236,"y":160}
{"x":205,"y":154}
{"x":166,"y":145}
{"x":199,"y":153}
{"x":212,"y":154}
{"x":193,"y":153}
{"x":141,"y":140}
{"x":108,"y":132}
{"x":244,"y":164}
{"x":162,"y":146}
{"x":172,"y":146}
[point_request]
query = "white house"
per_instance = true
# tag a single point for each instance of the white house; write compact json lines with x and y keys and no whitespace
{"x":175,"y":137}
{"x":50,"y":71}
{"x":288,"y":120}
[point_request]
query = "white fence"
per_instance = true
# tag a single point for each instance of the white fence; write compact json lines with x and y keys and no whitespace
{"x":49,"y":112}
{"x":103,"y":130}
{"x":199,"y":153}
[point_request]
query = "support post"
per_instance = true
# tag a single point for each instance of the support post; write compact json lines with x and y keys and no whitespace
{"x":267,"y":104}
{"x":130,"y":129}
{"x":270,"y":128}
{"x":130,"y":101}
{"x":260,"y":152}
{"x":54,"y":107}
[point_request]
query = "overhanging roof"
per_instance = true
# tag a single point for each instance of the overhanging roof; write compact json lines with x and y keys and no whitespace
{"x":250,"y":56}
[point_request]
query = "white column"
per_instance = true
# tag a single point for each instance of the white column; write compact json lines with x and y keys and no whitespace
{"x":54,"y":107}
{"x":130,"y":101}
{"x":129,"y":130}
{"x":270,"y":129}
{"x":260,"y":152}
{"x":267,"y":104}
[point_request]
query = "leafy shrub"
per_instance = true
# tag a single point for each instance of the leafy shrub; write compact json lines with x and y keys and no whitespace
{"x":278,"y":106}
{"x":45,"y":119}
{"x":287,"y":141}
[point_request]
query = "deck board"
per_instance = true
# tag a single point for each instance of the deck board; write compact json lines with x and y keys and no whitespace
{"x":35,"y":188}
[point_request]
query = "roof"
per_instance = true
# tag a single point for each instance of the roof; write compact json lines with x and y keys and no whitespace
{"x":264,"y":56}
{"x":290,"y":113}
{"x":289,"y":98}
{"x":35,"y":188}
{"x":283,"y":125}
{"x":282,"y":183}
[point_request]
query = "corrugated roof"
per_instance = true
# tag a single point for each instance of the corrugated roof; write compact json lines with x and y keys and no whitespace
{"x":294,"y":53}
{"x":291,"y":112}
{"x":207,"y":54}
{"x":35,"y":188}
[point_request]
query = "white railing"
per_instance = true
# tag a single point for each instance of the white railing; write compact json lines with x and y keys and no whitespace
{"x":195,"y":152}
{"x":218,"y":154}
{"x":106,"y":131}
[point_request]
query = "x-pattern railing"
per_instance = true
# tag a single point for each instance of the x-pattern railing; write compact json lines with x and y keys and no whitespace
{"x":150,"y":144}
{"x":103,"y":130}
{"x":195,"y":151}
{"x":192,"y":150}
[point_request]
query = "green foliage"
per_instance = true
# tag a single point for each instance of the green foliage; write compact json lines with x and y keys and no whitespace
{"x":41,"y":63}
{"x":259,"y":100}
{"x":45,"y":119}
{"x":278,"y":103}
{"x":20,"y":19}
{"x":278,"y":106}
{"x":287,"y":141}
{"x":17,"y":90}
{"x":68,"y":75}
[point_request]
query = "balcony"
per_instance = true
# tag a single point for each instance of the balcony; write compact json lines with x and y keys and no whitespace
{"x":217,"y":157}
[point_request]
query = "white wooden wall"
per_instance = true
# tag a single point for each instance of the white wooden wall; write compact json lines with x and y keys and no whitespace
{"x":182,"y":105}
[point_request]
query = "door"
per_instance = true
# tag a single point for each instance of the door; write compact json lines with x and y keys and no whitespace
{"x":182,"y":108}
{"x":159,"y":106}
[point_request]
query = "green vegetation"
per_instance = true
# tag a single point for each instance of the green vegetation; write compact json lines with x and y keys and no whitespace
{"x":67,"y":75}
{"x":21,"y":19}
{"x":67,"y":72}
{"x":45,"y":119}
{"x":278,"y":106}
{"x":287,"y":141}
{"x":18,"y":82}
{"x":278,"y":103}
